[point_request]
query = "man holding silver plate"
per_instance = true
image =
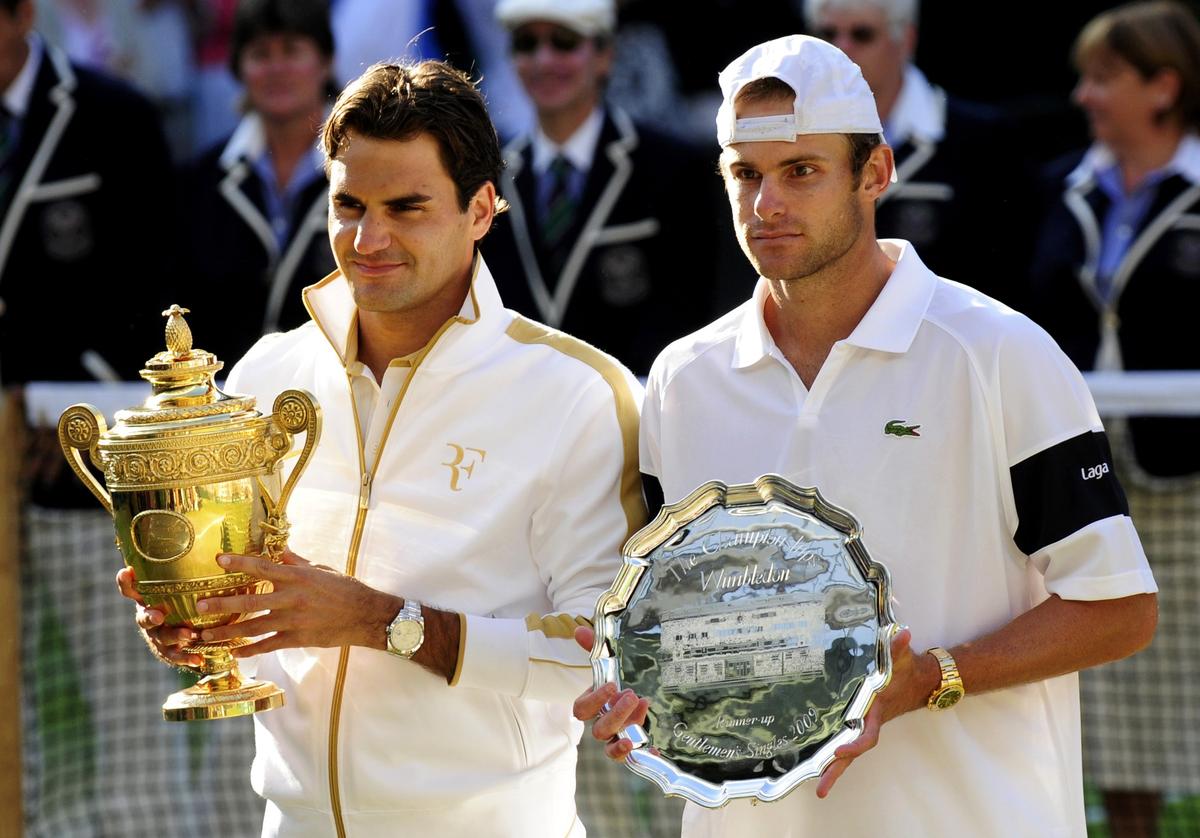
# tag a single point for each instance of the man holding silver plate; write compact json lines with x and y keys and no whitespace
{"x":957,"y":434}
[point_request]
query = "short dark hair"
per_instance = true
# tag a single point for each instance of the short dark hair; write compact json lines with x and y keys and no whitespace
{"x":255,"y":18}
{"x":401,"y":101}
{"x":1151,"y":37}
{"x":861,"y":145}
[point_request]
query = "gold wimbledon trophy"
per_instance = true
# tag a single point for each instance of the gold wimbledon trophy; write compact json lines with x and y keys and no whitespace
{"x":192,"y":473}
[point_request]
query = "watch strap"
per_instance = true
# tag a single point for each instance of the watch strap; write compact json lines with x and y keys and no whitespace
{"x":951,"y":680}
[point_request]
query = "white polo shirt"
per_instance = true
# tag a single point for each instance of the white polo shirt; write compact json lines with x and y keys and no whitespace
{"x":970,"y":451}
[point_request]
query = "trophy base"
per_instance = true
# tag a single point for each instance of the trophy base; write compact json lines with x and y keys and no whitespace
{"x":212,"y":699}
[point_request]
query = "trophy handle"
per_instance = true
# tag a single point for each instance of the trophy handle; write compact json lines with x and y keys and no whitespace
{"x":79,"y":429}
{"x":296,"y":411}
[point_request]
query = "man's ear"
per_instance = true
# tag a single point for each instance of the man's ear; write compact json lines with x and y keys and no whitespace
{"x":909,"y":41}
{"x":482,"y":209}
{"x":877,"y":171}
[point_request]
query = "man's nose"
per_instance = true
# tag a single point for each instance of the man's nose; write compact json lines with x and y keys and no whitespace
{"x":371,"y":235}
{"x":545,"y":53}
{"x":768,"y":203}
{"x":842,"y":40}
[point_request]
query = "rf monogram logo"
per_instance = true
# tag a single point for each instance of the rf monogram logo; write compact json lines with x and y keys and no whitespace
{"x":463,"y":463}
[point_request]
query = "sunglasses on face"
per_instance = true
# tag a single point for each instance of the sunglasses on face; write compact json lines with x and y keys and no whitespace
{"x":860,"y":35}
{"x":560,"y":40}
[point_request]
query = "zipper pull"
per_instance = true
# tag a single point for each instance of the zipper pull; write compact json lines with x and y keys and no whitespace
{"x":364,"y":492}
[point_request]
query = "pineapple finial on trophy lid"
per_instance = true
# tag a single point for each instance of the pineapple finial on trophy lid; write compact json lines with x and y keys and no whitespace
{"x":180,"y":365}
{"x":179,"y":336}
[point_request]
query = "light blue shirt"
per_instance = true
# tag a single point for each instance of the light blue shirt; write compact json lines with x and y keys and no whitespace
{"x":281,"y":200}
{"x":1123,"y":219}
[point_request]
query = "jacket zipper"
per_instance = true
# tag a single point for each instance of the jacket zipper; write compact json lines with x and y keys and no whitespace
{"x":339,"y":684}
{"x":360,"y":520}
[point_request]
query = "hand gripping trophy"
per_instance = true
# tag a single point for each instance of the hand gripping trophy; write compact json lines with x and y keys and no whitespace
{"x":191,"y":473}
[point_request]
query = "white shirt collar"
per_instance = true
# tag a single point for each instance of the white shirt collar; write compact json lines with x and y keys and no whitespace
{"x":330,"y":303}
{"x":1185,"y":162}
{"x":16,"y":98}
{"x":889,"y":325}
{"x":919,"y":113}
{"x":579,"y":149}
{"x":248,"y":141}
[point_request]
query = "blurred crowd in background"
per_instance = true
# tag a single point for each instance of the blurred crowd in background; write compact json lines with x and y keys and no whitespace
{"x":164,"y":151}
{"x":213,"y":195}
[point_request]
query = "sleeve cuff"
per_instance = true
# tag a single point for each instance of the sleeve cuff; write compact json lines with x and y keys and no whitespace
{"x":462,"y":648}
{"x":493,"y":655}
{"x":1108,"y":587}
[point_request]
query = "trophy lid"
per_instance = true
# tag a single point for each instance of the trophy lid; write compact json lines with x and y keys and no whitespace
{"x":182,"y":382}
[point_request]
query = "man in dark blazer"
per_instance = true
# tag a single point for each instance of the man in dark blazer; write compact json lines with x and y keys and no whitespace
{"x":85,"y":188}
{"x":612,"y":228}
{"x":944,"y":201}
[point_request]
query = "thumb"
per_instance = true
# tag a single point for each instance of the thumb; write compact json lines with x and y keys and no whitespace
{"x":585,"y":636}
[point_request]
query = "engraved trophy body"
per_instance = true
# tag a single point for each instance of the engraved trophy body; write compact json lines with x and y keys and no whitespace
{"x":759,"y":628}
{"x":191,"y":473}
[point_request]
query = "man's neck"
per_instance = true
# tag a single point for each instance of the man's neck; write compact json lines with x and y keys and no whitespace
{"x":13,"y":65}
{"x":384,"y":336}
{"x":560,"y":126}
{"x":806,"y":317}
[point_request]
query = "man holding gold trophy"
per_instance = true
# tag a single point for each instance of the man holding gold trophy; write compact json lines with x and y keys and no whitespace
{"x":475,"y":478}
{"x":955,"y":429}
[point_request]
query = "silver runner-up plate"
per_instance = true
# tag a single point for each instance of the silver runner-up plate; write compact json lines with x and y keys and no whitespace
{"x":760,"y":630}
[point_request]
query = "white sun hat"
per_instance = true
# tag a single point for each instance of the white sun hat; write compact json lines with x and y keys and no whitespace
{"x":587,"y":17}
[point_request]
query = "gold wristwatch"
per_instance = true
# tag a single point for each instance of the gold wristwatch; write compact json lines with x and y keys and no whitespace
{"x":951,"y":690}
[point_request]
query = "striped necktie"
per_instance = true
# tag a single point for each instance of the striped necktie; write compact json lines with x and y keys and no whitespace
{"x":8,"y":148}
{"x":560,"y":203}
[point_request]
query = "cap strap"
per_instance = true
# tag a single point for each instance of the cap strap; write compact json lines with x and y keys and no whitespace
{"x":764,"y":129}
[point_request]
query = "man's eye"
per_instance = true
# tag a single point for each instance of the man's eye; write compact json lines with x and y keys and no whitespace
{"x":802,"y":170}
{"x":745,"y":174}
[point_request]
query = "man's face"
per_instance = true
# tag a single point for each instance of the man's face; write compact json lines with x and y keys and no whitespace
{"x":14,"y":26}
{"x":865,"y":36}
{"x":397,"y":233}
{"x":560,"y":69}
{"x":285,"y":75}
{"x":795,"y":205}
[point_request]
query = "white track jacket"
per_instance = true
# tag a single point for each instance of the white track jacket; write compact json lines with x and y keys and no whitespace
{"x":504,"y":484}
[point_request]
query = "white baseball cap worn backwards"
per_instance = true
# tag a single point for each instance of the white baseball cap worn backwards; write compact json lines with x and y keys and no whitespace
{"x":831,"y":95}
{"x":587,"y":17}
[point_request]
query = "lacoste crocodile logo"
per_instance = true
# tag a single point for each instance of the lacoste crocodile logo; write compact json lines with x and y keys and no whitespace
{"x":896,"y":427}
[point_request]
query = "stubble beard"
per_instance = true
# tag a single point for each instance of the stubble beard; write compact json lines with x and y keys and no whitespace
{"x":835,"y":241}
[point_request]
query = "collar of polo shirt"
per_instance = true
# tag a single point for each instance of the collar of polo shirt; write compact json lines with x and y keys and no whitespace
{"x":889,"y":325}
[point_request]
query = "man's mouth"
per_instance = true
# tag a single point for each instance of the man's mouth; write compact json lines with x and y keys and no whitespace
{"x":376,"y":268}
{"x":768,"y":235}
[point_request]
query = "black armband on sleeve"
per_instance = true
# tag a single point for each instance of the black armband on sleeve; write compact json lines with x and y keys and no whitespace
{"x":1062,"y":489}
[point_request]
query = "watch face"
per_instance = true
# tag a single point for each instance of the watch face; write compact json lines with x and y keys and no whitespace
{"x":406,"y":634}
{"x":948,"y":698}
